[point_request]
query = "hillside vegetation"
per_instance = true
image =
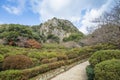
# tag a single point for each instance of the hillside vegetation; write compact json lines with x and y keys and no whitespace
{"x":52,"y":31}
{"x":28,"y":62}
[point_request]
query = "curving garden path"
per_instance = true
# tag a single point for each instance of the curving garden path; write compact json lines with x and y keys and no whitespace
{"x":78,"y":72}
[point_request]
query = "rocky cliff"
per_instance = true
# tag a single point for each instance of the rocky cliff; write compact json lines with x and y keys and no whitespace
{"x":59,"y":28}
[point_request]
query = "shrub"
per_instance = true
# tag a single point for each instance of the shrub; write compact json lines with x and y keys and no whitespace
{"x":108,"y":70}
{"x":36,"y":55}
{"x":103,"y":47}
{"x":11,"y":32}
{"x":53,"y":60}
{"x":71,"y":54}
{"x":62,"y":57}
{"x":4,"y":50}
{"x":1,"y":58}
{"x":31,"y":43}
{"x":44,"y":61}
{"x":42,"y":55}
{"x":68,"y":62}
{"x":85,"y":50}
{"x":52,"y":46}
{"x":94,"y":48}
{"x":73,"y":37}
{"x":1,"y":66}
{"x":32,"y":72}
{"x":90,"y":72}
{"x":75,"y":50}
{"x":35,"y":61}
{"x":50,"y":54}
{"x":76,"y":59}
{"x":11,"y":75}
{"x":56,"y":65}
{"x":103,"y":55}
{"x":17,"y":62}
{"x":28,"y":73}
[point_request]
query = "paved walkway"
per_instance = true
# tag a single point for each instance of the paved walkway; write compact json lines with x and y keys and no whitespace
{"x":78,"y":72}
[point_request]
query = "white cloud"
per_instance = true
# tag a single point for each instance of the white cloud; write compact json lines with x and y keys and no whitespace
{"x":11,"y":9}
{"x":58,"y":5}
{"x":91,"y":15}
{"x":52,"y":8}
{"x":69,"y":9}
{"x":15,"y":9}
{"x":64,"y":9}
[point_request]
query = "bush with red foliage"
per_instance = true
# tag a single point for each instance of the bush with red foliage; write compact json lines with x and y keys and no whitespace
{"x":31,"y":43}
{"x":17,"y":62}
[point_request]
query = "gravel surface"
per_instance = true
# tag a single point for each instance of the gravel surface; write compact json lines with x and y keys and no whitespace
{"x":78,"y":72}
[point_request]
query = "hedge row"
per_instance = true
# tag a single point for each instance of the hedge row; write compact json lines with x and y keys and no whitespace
{"x":11,"y":75}
{"x":31,"y":72}
{"x":77,"y":59}
{"x":1,"y":58}
{"x":103,"y":55}
{"x":43,"y":57}
{"x":28,"y":73}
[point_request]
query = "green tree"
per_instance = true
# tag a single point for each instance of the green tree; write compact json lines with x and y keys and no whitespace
{"x":73,"y":37}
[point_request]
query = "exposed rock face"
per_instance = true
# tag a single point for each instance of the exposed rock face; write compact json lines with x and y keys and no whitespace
{"x":58,"y":27}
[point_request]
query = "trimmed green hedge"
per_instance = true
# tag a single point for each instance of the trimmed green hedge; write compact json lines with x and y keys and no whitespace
{"x":1,"y":58}
{"x":101,"y":46}
{"x":1,"y":61}
{"x":29,"y":73}
{"x":108,"y":70}
{"x":90,"y":72}
{"x":32,"y":72}
{"x":103,"y":55}
{"x":11,"y":75}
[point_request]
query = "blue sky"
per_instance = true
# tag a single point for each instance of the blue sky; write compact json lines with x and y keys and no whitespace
{"x":34,"y":12}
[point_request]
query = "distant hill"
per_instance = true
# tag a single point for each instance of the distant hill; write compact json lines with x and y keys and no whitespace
{"x":52,"y":31}
{"x":58,"y":30}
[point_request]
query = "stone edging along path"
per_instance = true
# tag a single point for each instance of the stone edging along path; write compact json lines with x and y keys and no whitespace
{"x":51,"y":74}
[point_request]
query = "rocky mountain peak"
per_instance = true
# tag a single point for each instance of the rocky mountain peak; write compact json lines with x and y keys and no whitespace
{"x":58,"y":27}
